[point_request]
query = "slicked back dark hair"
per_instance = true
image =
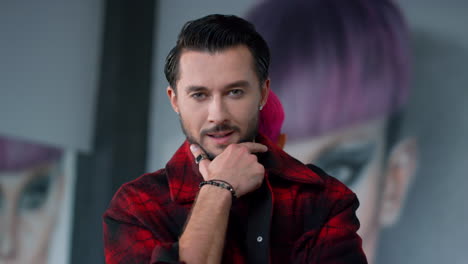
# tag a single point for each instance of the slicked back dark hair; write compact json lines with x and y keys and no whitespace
{"x":215,"y":33}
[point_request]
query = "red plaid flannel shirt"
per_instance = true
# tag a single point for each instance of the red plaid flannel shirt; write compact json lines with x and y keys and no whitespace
{"x":313,"y":218}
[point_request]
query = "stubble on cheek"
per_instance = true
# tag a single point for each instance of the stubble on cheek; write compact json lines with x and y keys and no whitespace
{"x":192,"y":140}
{"x":250,"y":132}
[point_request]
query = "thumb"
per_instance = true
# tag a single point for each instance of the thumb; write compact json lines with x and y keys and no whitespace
{"x":204,"y":161}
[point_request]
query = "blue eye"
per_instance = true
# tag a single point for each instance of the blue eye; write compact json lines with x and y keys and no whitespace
{"x":345,"y":171}
{"x":347,"y":164}
{"x":36,"y":192}
{"x":198,"y":96}
{"x":236,"y":92}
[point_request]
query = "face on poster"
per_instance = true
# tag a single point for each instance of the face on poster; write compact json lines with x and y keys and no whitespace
{"x":31,"y":194}
{"x":358,"y":157}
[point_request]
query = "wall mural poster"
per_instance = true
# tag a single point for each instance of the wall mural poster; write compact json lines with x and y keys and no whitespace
{"x":35,"y":202}
{"x":341,"y":70}
{"x":375,"y":93}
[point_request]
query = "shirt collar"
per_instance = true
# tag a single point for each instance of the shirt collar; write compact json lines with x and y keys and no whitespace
{"x":278,"y":162}
{"x":184,"y":177}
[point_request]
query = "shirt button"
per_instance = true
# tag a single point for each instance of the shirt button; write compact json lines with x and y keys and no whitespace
{"x":259,"y":239}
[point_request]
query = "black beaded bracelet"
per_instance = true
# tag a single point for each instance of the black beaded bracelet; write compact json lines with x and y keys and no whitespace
{"x":221,"y":184}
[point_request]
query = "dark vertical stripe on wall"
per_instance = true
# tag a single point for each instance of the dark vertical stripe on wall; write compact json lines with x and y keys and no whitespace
{"x":121,"y":129}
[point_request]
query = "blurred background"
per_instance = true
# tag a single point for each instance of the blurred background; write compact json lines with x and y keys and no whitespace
{"x":83,"y":109}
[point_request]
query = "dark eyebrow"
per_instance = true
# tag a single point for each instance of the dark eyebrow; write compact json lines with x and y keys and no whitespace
{"x":198,"y":88}
{"x":241,"y":83}
{"x":195,"y":88}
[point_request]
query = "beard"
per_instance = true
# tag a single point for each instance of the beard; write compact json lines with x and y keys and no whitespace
{"x":249,"y":136}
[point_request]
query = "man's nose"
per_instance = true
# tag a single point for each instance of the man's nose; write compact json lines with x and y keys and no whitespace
{"x":8,"y":233}
{"x":218,"y":112}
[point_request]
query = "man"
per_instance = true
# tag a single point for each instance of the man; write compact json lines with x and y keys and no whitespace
{"x":228,"y":195}
{"x":342,"y":76}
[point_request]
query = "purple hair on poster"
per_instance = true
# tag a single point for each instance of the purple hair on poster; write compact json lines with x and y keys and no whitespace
{"x":335,"y":63}
{"x":18,"y":155}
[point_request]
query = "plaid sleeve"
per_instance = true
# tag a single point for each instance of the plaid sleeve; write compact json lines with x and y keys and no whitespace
{"x":127,"y":240}
{"x":337,"y":241}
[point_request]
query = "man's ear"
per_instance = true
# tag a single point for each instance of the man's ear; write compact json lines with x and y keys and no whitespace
{"x":264,"y":93}
{"x":401,"y":167}
{"x":173,"y":99}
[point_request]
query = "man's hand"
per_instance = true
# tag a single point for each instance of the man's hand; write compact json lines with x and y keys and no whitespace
{"x":235,"y":165}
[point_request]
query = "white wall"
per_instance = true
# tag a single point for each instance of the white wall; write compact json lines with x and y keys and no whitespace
{"x":49,"y":66}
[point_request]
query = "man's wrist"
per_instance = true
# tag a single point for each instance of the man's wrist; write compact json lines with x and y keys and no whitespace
{"x":213,"y":196}
{"x":220,"y":184}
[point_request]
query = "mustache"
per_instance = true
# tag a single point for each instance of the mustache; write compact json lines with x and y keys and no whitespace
{"x":220,"y":128}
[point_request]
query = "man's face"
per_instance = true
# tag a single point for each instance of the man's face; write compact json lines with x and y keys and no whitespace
{"x":355,"y":156}
{"x":29,"y":202}
{"x":218,"y":97}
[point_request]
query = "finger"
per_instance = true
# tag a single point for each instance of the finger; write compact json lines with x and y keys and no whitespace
{"x":203,"y":164}
{"x":254,"y":147}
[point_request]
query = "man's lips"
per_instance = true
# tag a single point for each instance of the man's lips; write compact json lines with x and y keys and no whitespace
{"x":220,"y":134}
{"x":221,"y":137}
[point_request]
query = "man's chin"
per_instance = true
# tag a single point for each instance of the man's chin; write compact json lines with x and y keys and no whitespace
{"x":214,"y":151}
{"x":213,"y":148}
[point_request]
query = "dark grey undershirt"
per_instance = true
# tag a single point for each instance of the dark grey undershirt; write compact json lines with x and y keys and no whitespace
{"x":258,"y":226}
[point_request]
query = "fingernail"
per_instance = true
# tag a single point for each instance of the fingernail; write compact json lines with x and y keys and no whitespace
{"x":193,"y":147}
